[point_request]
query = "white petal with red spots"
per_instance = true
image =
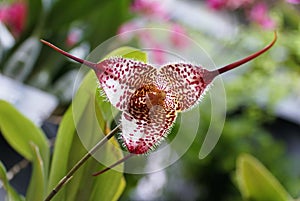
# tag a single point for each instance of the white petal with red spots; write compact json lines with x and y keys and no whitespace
{"x":122,"y":77}
{"x":185,"y":82}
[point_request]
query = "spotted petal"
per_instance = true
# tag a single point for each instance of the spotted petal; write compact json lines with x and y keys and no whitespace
{"x":122,"y":77}
{"x":186,"y":82}
{"x":140,"y":136}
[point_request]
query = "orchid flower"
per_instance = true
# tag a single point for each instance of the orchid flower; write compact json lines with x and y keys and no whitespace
{"x":150,"y":98}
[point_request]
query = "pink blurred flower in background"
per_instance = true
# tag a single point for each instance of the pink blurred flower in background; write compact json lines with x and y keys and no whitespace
{"x":260,"y":15}
{"x":158,"y":54}
{"x":150,"y":8}
{"x":216,"y":4}
{"x":128,"y":26}
{"x":235,"y":4}
{"x":14,"y":16}
{"x":293,"y":1}
{"x":177,"y":36}
{"x":256,"y":11}
{"x":74,"y":36}
{"x":125,"y":30}
{"x":228,"y":4}
{"x":153,"y":11}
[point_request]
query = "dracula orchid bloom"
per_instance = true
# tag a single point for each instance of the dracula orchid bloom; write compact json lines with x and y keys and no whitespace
{"x":150,"y":98}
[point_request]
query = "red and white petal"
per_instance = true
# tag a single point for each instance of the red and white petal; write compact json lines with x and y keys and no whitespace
{"x":140,"y":136}
{"x":185,"y":82}
{"x":122,"y":77}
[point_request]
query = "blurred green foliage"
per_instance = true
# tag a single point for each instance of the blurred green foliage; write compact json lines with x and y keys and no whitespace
{"x":256,"y":182}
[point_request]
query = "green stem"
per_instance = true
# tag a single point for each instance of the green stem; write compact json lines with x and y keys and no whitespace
{"x":70,"y":174}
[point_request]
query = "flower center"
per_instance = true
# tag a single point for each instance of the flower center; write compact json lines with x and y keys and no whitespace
{"x":144,"y":99}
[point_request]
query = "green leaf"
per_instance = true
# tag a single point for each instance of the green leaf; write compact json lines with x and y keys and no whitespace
{"x":61,"y":153}
{"x":137,"y":55}
{"x":36,"y":189}
{"x":119,"y":191}
{"x":20,"y":132}
{"x":129,"y":52}
{"x":256,"y":183}
{"x":12,"y":195}
{"x":108,"y":112}
{"x":112,"y":183}
{"x":79,"y":186}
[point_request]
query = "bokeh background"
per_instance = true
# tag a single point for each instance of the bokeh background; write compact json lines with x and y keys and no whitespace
{"x":263,"y":97}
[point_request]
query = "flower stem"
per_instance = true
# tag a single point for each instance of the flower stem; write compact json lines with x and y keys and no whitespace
{"x":70,"y":174}
{"x":115,"y":164}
